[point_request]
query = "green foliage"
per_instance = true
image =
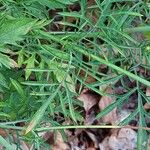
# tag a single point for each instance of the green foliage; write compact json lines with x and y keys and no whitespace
{"x":13,"y":30}
{"x":40,"y":66}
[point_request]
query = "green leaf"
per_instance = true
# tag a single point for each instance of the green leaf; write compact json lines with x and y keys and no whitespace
{"x":114,"y":104}
{"x":20,"y":58}
{"x":70,"y":102}
{"x":7,"y":62}
{"x":129,"y":118}
{"x":101,"y":60}
{"x":52,"y":4}
{"x":39,"y":114}
{"x":3,"y":81}
{"x":62,"y":77}
{"x":55,"y":52}
{"x":6,"y":144}
{"x":142,"y":134}
{"x":13,"y":30}
{"x":142,"y":137}
{"x":139,"y":29}
{"x":67,"y":2}
{"x":18,"y":88}
{"x":30,"y":65}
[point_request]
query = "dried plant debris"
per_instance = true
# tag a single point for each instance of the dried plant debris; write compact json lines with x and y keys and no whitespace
{"x":105,"y":101}
{"x":89,"y":99}
{"x":123,"y":139}
{"x":147,"y":105}
{"x":59,"y":143}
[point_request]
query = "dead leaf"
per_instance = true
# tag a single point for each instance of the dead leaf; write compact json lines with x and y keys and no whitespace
{"x":60,"y":144}
{"x":104,"y":145}
{"x":91,"y":148}
{"x":90,"y":118}
{"x":148,"y":91}
{"x":94,"y":139}
{"x":103,"y":103}
{"x":3,"y":132}
{"x":88,"y":78}
{"x":125,"y":140}
{"x":122,"y":115}
{"x":88,"y":99}
{"x":147,"y":106}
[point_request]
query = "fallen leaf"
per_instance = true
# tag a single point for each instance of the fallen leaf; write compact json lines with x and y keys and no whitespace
{"x":104,"y":145}
{"x":87,"y":77}
{"x":91,"y":148}
{"x":3,"y":132}
{"x":89,"y":99}
{"x":103,"y":103}
{"x":148,"y":91}
{"x":147,"y":106}
{"x":90,"y":118}
{"x":59,"y":143}
{"x":122,"y":115}
{"x":94,"y":140}
{"x":125,"y":140}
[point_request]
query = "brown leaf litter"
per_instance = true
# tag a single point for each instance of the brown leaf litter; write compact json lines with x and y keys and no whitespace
{"x":105,"y":101}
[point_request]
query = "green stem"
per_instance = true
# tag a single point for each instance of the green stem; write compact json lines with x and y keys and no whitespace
{"x":77,"y":127}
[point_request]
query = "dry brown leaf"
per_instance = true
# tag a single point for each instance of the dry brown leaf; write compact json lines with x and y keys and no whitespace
{"x":3,"y":132}
{"x":91,"y":148}
{"x":103,"y":103}
{"x":93,"y":138}
{"x":125,"y":140}
{"x":60,"y":144}
{"x":88,"y":78}
{"x":90,"y":118}
{"x":147,"y":106}
{"x":88,"y":99}
{"x":104,"y":145}
{"x":148,"y":91}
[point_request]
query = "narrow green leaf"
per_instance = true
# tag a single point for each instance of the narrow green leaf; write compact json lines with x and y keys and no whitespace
{"x":39,"y":114}
{"x":71,"y":108}
{"x":30,"y":65}
{"x":114,"y":104}
{"x":129,"y":118}
{"x":6,"y":144}
{"x":55,"y":52}
{"x":138,"y":29}
{"x":3,"y":81}
{"x":18,"y":88}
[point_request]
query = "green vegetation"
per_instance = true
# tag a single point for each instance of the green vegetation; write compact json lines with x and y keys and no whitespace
{"x":43,"y":46}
